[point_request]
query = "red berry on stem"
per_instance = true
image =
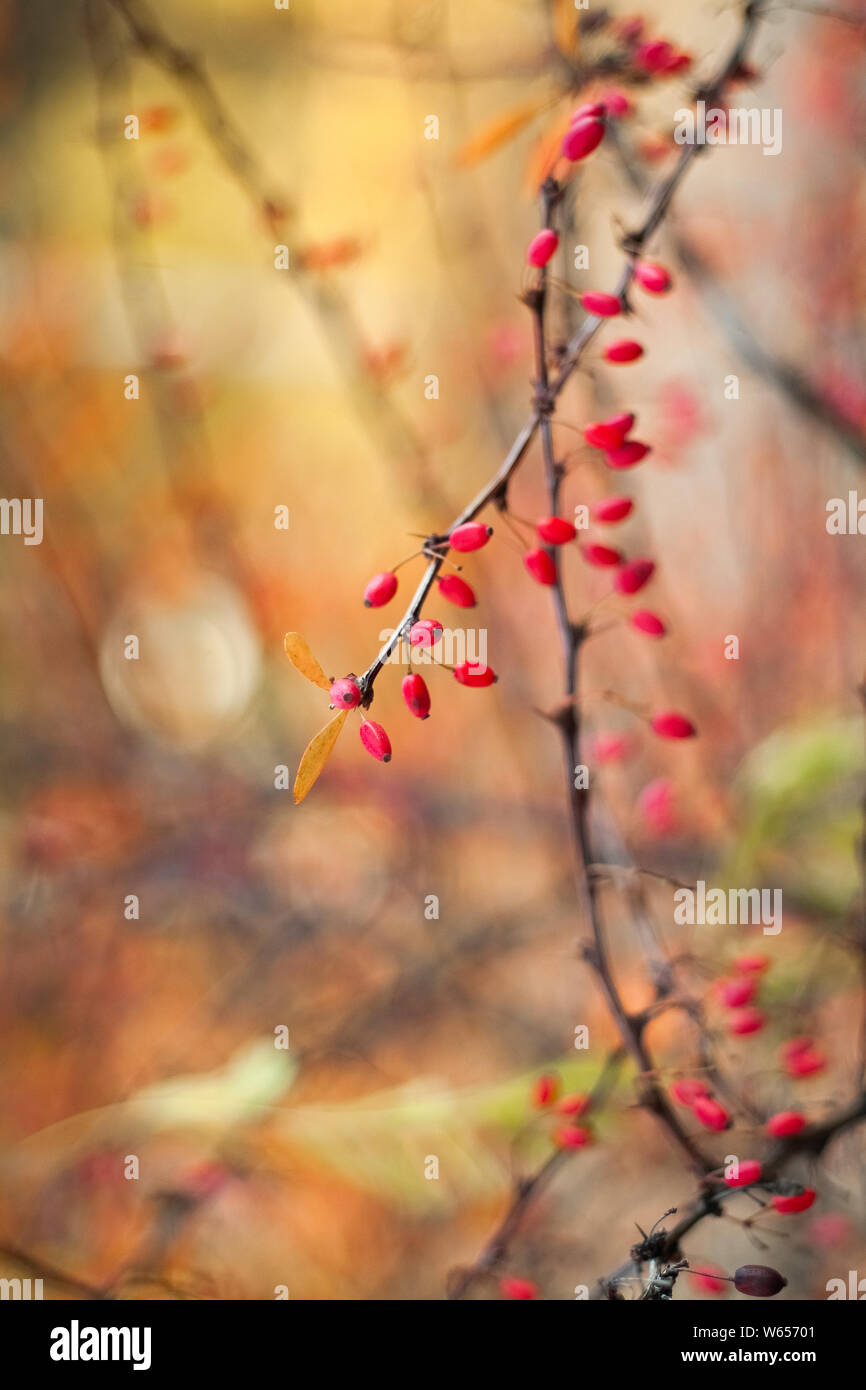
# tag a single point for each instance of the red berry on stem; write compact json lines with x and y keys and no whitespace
{"x":801,"y":1058}
{"x":735,"y":993}
{"x":376,"y":741}
{"x":654,"y":56}
{"x":652,"y":278}
{"x":616,"y":103}
{"x":600,"y":555}
{"x":672,"y":725}
{"x":759,"y":1281}
{"x":381,"y":588}
{"x":345,"y":693}
{"x":545,"y":1091}
{"x":748,"y":1171}
{"x":425,"y":633}
{"x":686,"y":1091}
{"x":540,"y":566}
{"x":613,"y":509}
{"x":710,"y":1114}
{"x":751,"y":964}
{"x":582,"y":137}
{"x":633,"y":575}
{"x":555,"y":530}
{"x":785,"y":1123}
{"x":542,"y":247}
{"x":608,"y":434}
{"x":745,"y":1021}
{"x":470,"y":536}
{"x":627,"y":455}
{"x":571,"y":1137}
{"x":456,"y":591}
{"x":648,"y":622}
{"x":416,"y":695}
{"x":519,"y":1290}
{"x":797,"y":1201}
{"x":475,"y":675}
{"x":589,"y":108}
{"x":603,"y":306}
{"x":610,"y":748}
{"x":623,"y":350}
{"x":573,"y":1105}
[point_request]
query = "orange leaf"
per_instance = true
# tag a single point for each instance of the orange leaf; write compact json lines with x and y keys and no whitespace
{"x":565,"y":31}
{"x":497,"y":131}
{"x":317,"y":753}
{"x":301,"y":657}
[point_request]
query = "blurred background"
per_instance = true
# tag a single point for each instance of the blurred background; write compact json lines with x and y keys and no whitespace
{"x":165,"y":386}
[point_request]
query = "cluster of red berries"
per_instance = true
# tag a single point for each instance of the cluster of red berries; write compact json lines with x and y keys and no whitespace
{"x":737,"y":994}
{"x":546,"y":1095}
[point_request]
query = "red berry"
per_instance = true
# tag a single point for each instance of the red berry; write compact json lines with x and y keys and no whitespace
{"x":613,"y":509}
{"x":542,"y":247}
{"x":425,"y":633}
{"x":648,"y":622}
{"x":709,"y":1278}
{"x":686,"y":1092}
{"x":750,"y":964}
{"x":797,"y":1201}
{"x":583,"y":136}
{"x":785,"y":1123}
{"x":571,"y":1137}
{"x":604,"y":306}
{"x":616,"y":103}
{"x":456,"y":591}
{"x":416,"y":695}
{"x":381,"y":588}
{"x":601,"y":555}
{"x":470,"y":536}
{"x":573,"y":1105}
{"x":760,"y":1281}
{"x":633,"y":575}
{"x":735,"y":993}
{"x":345,"y":693}
{"x":655,"y":56}
{"x":610,"y":748}
{"x":679,"y":63}
{"x":652,"y":278}
{"x":657,"y":805}
{"x":609,"y":434}
{"x":672,"y":725}
{"x":520,"y":1290}
{"x":801,"y":1058}
{"x":376,"y":741}
{"x":589,"y":108}
{"x":473,"y":674}
{"x":745,"y":1021}
{"x":710,"y":1114}
{"x":545,"y":1090}
{"x":555,"y":530}
{"x":748,"y":1171}
{"x":540,"y":566}
{"x":626,"y":455}
{"x":623,"y":350}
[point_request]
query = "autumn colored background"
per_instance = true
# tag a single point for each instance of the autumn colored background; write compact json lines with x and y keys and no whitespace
{"x":261,"y":387}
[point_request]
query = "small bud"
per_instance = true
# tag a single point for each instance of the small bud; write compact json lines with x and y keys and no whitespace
{"x":470,"y":536}
{"x":652,"y":278}
{"x":672,"y":725}
{"x":545,"y":1091}
{"x":785,"y":1123}
{"x":795,"y":1202}
{"x":633,"y":575}
{"x":686,"y":1092}
{"x":474,"y":675}
{"x":456,"y":591}
{"x":801,"y":1058}
{"x":751,"y":964}
{"x":623,"y":350}
{"x":542,"y":247}
{"x":609,"y":434}
{"x":425,"y":633}
{"x":603,"y":306}
{"x":416,"y":695}
{"x":710,"y":1114}
{"x":540,"y":566}
{"x":589,"y":108}
{"x":573,"y":1105}
{"x":519,"y":1290}
{"x":376,"y":741}
{"x":735,"y":993}
{"x":583,"y":136}
{"x":345,"y":693}
{"x":657,"y":805}
{"x":381,"y":588}
{"x":613,"y":509}
{"x":555,"y":530}
{"x":600,"y":555}
{"x":748,"y":1171}
{"x":616,"y":103}
{"x":610,"y":748}
{"x":571,"y":1137}
{"x":648,"y":622}
{"x":760,"y":1281}
{"x":627,"y":455}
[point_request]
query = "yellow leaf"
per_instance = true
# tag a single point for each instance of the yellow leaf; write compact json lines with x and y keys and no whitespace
{"x":316,"y":754}
{"x":565,"y":33}
{"x":300,"y":656}
{"x":497,"y":131}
